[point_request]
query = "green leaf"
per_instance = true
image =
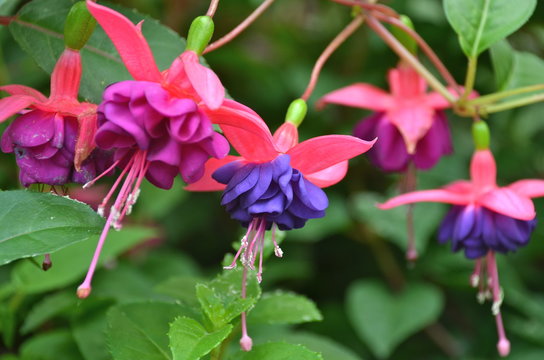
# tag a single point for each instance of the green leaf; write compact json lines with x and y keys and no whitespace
{"x":284,"y":308}
{"x":70,"y":264}
{"x":181,"y":288}
{"x":278,"y":351}
{"x":329,"y":349}
{"x":189,"y":340}
{"x":139,"y":330}
{"x":36,"y":223}
{"x":47,"y":309}
{"x":481,"y":23}
{"x":89,"y":327}
{"x":221,"y":299}
{"x":54,"y":345}
{"x":383,"y":319}
{"x":39,"y":31}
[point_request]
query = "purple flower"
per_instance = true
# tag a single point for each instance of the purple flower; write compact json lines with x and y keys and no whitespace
{"x":44,"y":146}
{"x":390,"y":153}
{"x":478,"y":230}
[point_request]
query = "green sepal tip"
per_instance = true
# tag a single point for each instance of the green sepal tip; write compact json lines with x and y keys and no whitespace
{"x":79,"y":26}
{"x":480,"y":133}
{"x":406,"y":40}
{"x":200,"y":33}
{"x":296,"y":112}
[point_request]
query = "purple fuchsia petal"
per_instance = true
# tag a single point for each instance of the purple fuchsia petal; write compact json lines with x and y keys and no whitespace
{"x":435,"y":144}
{"x":33,"y":129}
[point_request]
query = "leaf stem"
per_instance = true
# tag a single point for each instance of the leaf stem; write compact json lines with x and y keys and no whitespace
{"x":213,"y":8}
{"x":407,"y":56}
{"x":329,"y":50}
{"x":486,"y":99}
{"x":512,"y":104}
{"x":470,"y":77}
{"x":241,"y":27}
{"x":6,"y":20}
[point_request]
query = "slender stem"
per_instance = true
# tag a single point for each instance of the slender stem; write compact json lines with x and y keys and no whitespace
{"x":384,"y":9}
{"x":241,"y":27}
{"x":213,"y":8}
{"x":470,"y":77}
{"x":512,"y":104}
{"x":5,"y":20}
{"x":407,"y":56}
{"x":331,"y":48}
{"x":409,"y":186}
{"x":482,"y":100}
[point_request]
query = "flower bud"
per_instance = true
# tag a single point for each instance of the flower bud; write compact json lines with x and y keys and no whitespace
{"x":406,"y":40}
{"x":296,"y":112}
{"x":480,"y":133}
{"x":200,"y":33}
{"x":79,"y":26}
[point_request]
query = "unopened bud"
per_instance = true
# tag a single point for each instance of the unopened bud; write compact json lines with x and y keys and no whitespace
{"x":405,"y":39}
{"x":296,"y":112}
{"x":200,"y":33}
{"x":480,"y":133}
{"x":79,"y":26}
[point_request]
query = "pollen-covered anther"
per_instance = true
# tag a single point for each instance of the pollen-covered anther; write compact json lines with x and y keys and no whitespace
{"x":481,"y":296}
{"x":278,"y":251}
{"x":100,"y":211}
{"x":496,"y":306}
{"x":474,"y":280}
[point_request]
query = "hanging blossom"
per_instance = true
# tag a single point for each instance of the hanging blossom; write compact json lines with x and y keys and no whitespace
{"x":409,"y":122}
{"x":155,"y":124}
{"x":483,"y":220}
{"x":275,"y":182}
{"x":52,"y":138}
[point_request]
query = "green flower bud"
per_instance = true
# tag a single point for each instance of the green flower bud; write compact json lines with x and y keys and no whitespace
{"x":409,"y":43}
{"x":296,"y":112}
{"x":480,"y":133}
{"x":200,"y":33}
{"x":79,"y":26}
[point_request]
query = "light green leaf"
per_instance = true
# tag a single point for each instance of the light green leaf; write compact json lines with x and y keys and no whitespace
{"x":329,"y":349}
{"x":54,"y":345}
{"x":189,"y":340}
{"x":70,"y":264}
{"x":481,"y":23}
{"x":284,"y":308}
{"x":278,"y":351}
{"x":383,"y":319}
{"x":32,"y":224}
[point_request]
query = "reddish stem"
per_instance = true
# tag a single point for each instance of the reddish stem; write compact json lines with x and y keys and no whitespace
{"x":6,"y":20}
{"x":241,"y":27}
{"x":369,"y":6}
{"x":331,"y":48}
{"x":213,"y":8}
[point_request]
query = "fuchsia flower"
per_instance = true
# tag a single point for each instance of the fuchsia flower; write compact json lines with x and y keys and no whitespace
{"x":409,"y":123}
{"x":155,"y":124}
{"x":485,"y":219}
{"x":53,"y":139}
{"x":275,"y":182}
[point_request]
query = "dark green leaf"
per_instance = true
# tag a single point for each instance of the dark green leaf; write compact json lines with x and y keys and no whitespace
{"x":481,"y":23}
{"x":70,"y":264}
{"x":180,"y":288}
{"x":89,"y":329}
{"x":189,"y":340}
{"x":278,"y":351}
{"x":383,"y":319}
{"x":284,"y":308}
{"x":36,"y":223}
{"x":54,"y":345}
{"x":47,"y":309}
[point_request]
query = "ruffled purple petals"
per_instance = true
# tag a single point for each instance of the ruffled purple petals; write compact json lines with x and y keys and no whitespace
{"x":178,"y":137}
{"x":478,"y":230}
{"x":271,"y":190}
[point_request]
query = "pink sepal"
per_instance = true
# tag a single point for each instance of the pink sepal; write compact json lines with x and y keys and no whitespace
{"x":406,"y":83}
{"x":483,"y":171}
{"x":439,"y":102}
{"x":438,"y":195}
{"x":87,"y":128}
{"x":66,"y":76}
{"x":329,"y":176}
{"x":203,"y":80}
{"x":246,"y":132}
{"x":412,"y":121}
{"x":206,"y":182}
{"x":358,"y":95}
{"x":507,"y":202}
{"x":529,"y":187}
{"x":24,"y":90}
{"x":13,"y":104}
{"x":286,"y":137}
{"x":129,"y":42}
{"x":321,"y":152}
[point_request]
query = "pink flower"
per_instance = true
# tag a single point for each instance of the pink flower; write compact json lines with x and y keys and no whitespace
{"x":485,"y":219}
{"x":409,"y":122}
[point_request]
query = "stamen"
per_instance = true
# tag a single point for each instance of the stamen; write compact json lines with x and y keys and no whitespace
{"x":503,"y":345}
{"x":475,"y":277}
{"x":262,"y":230}
{"x":245,"y":341}
{"x":277,"y":250}
{"x":91,"y":183}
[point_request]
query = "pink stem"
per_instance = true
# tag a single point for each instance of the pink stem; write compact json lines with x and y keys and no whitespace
{"x":329,"y":50}
{"x":503,"y":345}
{"x":368,"y":6}
{"x":213,"y":8}
{"x":241,"y":27}
{"x":245,"y":342}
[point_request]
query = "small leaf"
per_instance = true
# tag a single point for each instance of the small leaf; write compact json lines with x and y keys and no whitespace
{"x":481,"y":23}
{"x":139,"y":330}
{"x":278,"y":351}
{"x":70,"y":264}
{"x":383,"y":320}
{"x":284,"y":308}
{"x":189,"y":340}
{"x":54,"y":345}
{"x":32,"y":224}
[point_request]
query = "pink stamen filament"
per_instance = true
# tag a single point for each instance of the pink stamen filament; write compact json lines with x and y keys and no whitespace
{"x":245,"y":341}
{"x":476,"y":277}
{"x":107,"y":198}
{"x":136,"y":167}
{"x":277,"y":250}
{"x":91,"y":183}
{"x":503,"y":345}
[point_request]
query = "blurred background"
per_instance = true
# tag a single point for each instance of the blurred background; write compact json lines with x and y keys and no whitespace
{"x":355,"y":247}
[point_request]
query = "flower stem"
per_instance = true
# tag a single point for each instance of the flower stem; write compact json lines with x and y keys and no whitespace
{"x":213,"y":8}
{"x":407,"y":56}
{"x":410,"y":185}
{"x":329,"y":50}
{"x":470,"y":77}
{"x":241,"y":27}
{"x":486,"y":99}
{"x":512,"y":104}
{"x":384,"y":9}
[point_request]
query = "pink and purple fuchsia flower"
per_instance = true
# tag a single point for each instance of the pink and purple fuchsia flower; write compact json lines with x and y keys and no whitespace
{"x":410,"y":123}
{"x":156,"y":124}
{"x":484,"y":219}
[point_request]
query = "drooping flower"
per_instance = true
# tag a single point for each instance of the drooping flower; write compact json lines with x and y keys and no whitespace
{"x":484,"y":219}
{"x":275,"y":182}
{"x":409,"y":122}
{"x":155,"y":124}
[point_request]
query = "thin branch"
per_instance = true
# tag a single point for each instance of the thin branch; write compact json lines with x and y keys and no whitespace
{"x":512,"y":104}
{"x":386,"y":10}
{"x":331,"y":48}
{"x":213,"y":8}
{"x":237,"y":30}
{"x":490,"y":98}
